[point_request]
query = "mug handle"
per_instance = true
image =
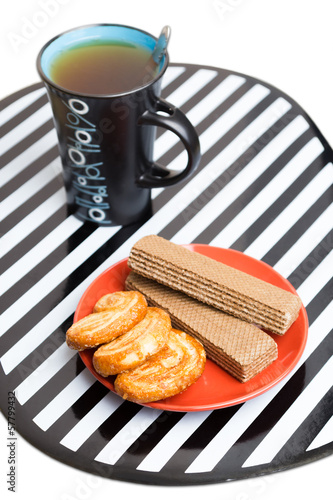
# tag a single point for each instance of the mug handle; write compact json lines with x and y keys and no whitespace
{"x":177,"y":122}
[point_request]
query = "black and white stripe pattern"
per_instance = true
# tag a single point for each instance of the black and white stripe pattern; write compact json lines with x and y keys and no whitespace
{"x":264,"y":186}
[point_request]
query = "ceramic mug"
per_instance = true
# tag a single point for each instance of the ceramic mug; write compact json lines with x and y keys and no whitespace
{"x":106,"y":141}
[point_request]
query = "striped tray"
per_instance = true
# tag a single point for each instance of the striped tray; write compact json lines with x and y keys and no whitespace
{"x":264,"y":187}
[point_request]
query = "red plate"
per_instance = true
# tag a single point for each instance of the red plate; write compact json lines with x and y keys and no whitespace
{"x":215,"y":388}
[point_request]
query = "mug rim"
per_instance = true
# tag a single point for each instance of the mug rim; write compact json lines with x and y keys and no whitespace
{"x":48,"y":80}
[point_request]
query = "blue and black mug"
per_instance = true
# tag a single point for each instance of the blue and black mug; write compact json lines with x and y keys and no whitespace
{"x":106,"y":133}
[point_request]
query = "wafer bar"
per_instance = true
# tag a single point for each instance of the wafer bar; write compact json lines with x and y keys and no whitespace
{"x":214,"y":283}
{"x":240,"y":348}
{"x":242,"y":309}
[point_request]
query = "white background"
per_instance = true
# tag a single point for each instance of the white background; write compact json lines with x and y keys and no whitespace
{"x":287,"y":43}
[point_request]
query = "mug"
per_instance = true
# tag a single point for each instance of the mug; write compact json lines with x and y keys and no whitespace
{"x":106,"y":141}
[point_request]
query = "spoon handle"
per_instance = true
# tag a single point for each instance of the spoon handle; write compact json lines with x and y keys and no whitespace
{"x":161,"y":45}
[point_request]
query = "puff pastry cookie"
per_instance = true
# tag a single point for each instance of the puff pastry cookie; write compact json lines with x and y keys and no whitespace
{"x":134,"y":347}
{"x":172,"y":370}
{"x":114,"y":314}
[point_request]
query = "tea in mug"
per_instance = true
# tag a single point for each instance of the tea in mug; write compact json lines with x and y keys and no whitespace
{"x":103,"y":68}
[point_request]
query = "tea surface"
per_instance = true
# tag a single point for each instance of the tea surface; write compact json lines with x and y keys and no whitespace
{"x":105,"y":68}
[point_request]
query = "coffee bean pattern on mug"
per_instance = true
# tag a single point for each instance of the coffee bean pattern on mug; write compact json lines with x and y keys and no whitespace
{"x":88,"y":176}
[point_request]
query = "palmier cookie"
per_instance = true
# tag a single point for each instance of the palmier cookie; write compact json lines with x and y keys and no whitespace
{"x":172,"y":370}
{"x":134,"y":347}
{"x":125,"y":310}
